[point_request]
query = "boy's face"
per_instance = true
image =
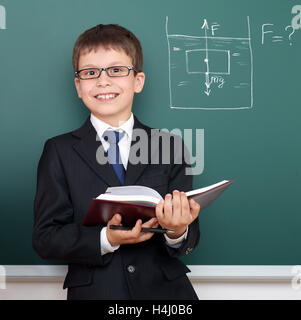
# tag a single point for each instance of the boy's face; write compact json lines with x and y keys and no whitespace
{"x":108,"y":98}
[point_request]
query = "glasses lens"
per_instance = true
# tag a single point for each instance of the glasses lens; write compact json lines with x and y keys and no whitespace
{"x":118,"y":71}
{"x":90,"y":73}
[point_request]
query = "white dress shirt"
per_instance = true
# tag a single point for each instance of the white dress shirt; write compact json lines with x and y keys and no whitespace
{"x":124,"y":145}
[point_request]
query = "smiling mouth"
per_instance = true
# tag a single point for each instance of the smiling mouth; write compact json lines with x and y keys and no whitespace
{"x":107,"y":96}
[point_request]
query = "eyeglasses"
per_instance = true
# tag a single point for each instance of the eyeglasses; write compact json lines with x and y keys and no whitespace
{"x":94,"y":73}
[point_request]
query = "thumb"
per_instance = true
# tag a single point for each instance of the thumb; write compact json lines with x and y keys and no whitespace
{"x":116,"y":219}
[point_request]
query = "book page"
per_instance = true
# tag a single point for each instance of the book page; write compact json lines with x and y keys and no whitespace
{"x":141,"y":199}
{"x":191,"y":193}
{"x":134,"y":190}
{"x":145,"y":194}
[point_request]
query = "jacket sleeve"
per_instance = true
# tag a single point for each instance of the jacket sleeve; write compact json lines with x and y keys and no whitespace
{"x":56,"y":236}
{"x":181,"y":179}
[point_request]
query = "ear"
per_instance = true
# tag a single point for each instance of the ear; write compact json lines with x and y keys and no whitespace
{"x":77,"y":86}
{"x":139,"y":81}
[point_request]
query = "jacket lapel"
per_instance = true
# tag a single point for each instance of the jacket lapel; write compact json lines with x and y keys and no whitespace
{"x":87,"y":147}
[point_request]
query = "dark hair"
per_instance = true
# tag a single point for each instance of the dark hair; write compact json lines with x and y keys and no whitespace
{"x":109,"y":36}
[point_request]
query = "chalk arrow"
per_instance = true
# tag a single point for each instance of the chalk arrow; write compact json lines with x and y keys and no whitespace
{"x":207,"y":82}
{"x":205,"y":24}
{"x":207,"y":85}
{"x":207,"y":92}
{"x":206,"y":60}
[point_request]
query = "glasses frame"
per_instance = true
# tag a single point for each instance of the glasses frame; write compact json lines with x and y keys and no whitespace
{"x":77,"y":73}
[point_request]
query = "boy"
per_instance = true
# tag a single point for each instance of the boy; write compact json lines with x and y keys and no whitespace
{"x":105,"y":263}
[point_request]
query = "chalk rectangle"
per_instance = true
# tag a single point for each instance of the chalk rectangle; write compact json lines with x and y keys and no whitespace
{"x":218,"y":61}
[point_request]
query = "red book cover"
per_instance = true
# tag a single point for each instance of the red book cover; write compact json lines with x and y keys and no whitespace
{"x":101,"y":211}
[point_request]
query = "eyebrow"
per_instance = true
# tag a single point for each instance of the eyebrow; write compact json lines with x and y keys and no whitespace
{"x":117,"y":63}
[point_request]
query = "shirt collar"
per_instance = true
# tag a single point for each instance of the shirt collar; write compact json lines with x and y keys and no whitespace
{"x":101,"y":126}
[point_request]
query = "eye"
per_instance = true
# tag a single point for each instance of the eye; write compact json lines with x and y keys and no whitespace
{"x":89,"y":72}
{"x":116,"y":70}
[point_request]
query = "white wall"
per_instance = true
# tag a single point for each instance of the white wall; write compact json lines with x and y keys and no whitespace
{"x":210,"y":282}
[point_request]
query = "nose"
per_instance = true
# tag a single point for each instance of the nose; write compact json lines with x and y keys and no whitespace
{"x":104,"y":80}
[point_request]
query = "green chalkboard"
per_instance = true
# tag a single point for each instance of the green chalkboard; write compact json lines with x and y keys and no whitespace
{"x":229,"y":68}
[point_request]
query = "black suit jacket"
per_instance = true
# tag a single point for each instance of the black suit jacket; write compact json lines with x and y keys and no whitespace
{"x":69,"y":176}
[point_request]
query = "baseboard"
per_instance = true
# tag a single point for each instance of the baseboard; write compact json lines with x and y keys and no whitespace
{"x":198,"y":272}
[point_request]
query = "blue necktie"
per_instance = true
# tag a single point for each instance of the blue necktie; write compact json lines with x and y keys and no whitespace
{"x":113,"y":137}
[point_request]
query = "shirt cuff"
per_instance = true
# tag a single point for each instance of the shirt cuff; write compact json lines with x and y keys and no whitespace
{"x":176,"y":243}
{"x":105,"y":245}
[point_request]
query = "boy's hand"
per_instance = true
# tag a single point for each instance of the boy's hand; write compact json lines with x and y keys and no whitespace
{"x":178,"y":214}
{"x":117,"y":237}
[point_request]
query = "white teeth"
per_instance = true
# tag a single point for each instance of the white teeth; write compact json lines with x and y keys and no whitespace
{"x":106,"y":96}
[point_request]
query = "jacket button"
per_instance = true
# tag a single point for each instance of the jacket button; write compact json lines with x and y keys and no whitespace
{"x":131,"y":269}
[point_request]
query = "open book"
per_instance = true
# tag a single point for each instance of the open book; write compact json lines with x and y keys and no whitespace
{"x":139,"y":202}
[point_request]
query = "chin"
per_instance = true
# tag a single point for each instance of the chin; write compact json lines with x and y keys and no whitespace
{"x":107,"y":114}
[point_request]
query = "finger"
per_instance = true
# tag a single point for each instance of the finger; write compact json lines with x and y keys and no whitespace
{"x":167,"y":209}
{"x":149,"y":223}
{"x":137,"y":228}
{"x":116,"y":219}
{"x":159,"y":210}
{"x":145,"y":236}
{"x":194,"y":209}
{"x":138,"y":236}
{"x":185,"y":205}
{"x":155,"y":224}
{"x":176,"y":205}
